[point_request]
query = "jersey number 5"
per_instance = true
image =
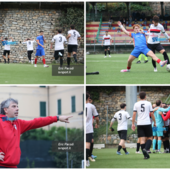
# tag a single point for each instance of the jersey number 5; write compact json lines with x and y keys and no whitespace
{"x":120,"y":114}
{"x":142,"y":108}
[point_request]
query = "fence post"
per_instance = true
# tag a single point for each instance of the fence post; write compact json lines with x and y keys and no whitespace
{"x":107,"y":125}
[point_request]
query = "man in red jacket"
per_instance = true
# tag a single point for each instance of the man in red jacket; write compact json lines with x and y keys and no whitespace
{"x":11,"y":128}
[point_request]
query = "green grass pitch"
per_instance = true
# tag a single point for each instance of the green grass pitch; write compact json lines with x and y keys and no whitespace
{"x":107,"y":158}
{"x":28,"y":74}
{"x":109,"y":70}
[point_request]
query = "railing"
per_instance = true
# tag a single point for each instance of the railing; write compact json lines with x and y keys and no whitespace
{"x":98,"y":32}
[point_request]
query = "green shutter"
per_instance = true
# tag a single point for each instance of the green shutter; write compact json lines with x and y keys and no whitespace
{"x":43,"y":109}
{"x":73,"y":104}
{"x":59,"y":107}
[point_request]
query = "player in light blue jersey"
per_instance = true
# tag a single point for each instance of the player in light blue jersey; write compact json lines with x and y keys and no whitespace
{"x":40,"y":52}
{"x":140,"y":46}
{"x":158,"y":132}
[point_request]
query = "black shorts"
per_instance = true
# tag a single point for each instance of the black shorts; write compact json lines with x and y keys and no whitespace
{"x":122,"y":134}
{"x":72,"y":48}
{"x":6,"y":52}
{"x":157,"y":47}
{"x":144,"y":131}
{"x":56,"y":54}
{"x":165,"y":135}
{"x":89,"y":137}
{"x":107,"y":47}
{"x":29,"y":52}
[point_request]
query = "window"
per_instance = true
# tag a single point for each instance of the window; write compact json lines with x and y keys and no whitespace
{"x":73,"y":104}
{"x":43,"y":109}
{"x":59,"y":107}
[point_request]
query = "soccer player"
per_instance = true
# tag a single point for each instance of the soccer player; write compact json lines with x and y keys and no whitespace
{"x":155,"y":30}
{"x":140,"y":46}
{"x":122,"y":118}
{"x":72,"y":38}
{"x":140,"y":57}
{"x":144,"y":128}
{"x":30,"y":47}
{"x":11,"y":128}
{"x":40,"y":49}
{"x":6,"y":48}
{"x":159,"y":125}
{"x":107,"y":40}
{"x":90,"y":112}
{"x":59,"y":40}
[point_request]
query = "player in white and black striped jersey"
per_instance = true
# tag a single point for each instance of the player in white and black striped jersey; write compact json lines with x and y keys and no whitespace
{"x":122,"y":118}
{"x":59,"y":40}
{"x":155,"y":30}
{"x":90,"y":112}
{"x":30,"y":47}
{"x":144,"y":129}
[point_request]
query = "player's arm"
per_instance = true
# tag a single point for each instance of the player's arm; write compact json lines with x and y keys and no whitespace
{"x":111,"y":123}
{"x":165,"y":118}
{"x":123,"y":29}
{"x":133,"y":120}
{"x":165,"y":34}
{"x":44,"y":39}
{"x":39,"y":43}
{"x":102,"y":41}
{"x":153,"y":118}
{"x":11,"y":38}
{"x":164,"y":110}
{"x":2,"y":39}
{"x":96,"y":116}
{"x":68,"y":36}
{"x":52,"y":42}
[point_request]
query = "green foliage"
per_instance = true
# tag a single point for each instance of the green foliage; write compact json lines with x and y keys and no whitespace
{"x":138,"y":6}
{"x":112,"y":7}
{"x":72,"y":16}
{"x":101,"y":7}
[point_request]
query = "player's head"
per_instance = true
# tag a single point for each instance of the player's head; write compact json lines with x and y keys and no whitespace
{"x":9,"y":108}
{"x":164,"y":104}
{"x":142,"y":95}
{"x":155,"y":20}
{"x":6,"y":38}
{"x":28,"y":39}
{"x":87,"y":97}
{"x":136,"y":28}
{"x":72,"y":27}
{"x":90,"y":99}
{"x":153,"y":106}
{"x":106,"y":32}
{"x":41,"y":32}
{"x":123,"y":106}
{"x":158,"y":103}
{"x":59,"y":31}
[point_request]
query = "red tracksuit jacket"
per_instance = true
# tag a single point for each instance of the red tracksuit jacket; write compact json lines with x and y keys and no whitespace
{"x":10,"y":137}
{"x":165,"y":118}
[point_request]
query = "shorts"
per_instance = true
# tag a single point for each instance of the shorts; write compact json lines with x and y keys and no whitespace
{"x":56,"y":54}
{"x":157,"y":47}
{"x":122,"y":134}
{"x":6,"y":52}
{"x":158,"y":133}
{"x":72,"y":48}
{"x":166,"y":135}
{"x":89,"y":137}
{"x":144,"y":131}
{"x":107,"y":47}
{"x":40,"y":52}
{"x":137,"y":51}
{"x":29,"y":52}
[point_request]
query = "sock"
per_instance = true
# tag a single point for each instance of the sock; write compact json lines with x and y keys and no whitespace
{"x":68,"y":61}
{"x":159,"y":144}
{"x":61,"y":61}
{"x":146,"y":58}
{"x":158,"y":61}
{"x":5,"y":60}
{"x":148,"y":144}
{"x":125,"y":150}
{"x":109,"y":52}
{"x":142,"y":146}
{"x":91,"y":149}
{"x":87,"y":154}
{"x":153,"y":63}
{"x":105,"y":53}
{"x":128,"y":68}
{"x":75,"y":57}
{"x":8,"y":60}
{"x":166,"y":57}
{"x":167,"y":146}
{"x":43,"y":60}
{"x":164,"y":143}
{"x":35,"y":60}
{"x":154,"y":144}
{"x":138,"y":146}
{"x":140,"y":57}
{"x":119,"y":148}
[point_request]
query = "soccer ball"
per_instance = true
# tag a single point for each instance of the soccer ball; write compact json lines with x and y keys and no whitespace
{"x":168,"y":67}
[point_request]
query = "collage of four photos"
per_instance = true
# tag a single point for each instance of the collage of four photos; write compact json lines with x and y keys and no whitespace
{"x":84,"y":84}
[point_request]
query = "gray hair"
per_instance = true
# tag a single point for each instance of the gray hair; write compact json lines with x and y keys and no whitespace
{"x":6,"y":103}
